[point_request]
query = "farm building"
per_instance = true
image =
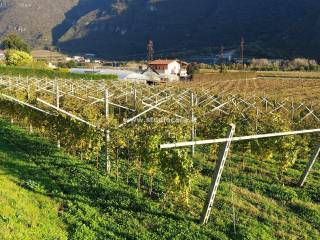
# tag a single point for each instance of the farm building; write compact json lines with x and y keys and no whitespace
{"x":170,"y":67}
{"x":137,"y":78}
{"x":122,"y":74}
{"x":152,"y":75}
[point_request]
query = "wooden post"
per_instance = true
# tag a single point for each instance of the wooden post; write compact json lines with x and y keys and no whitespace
{"x":126,"y":91}
{"x":30,"y":127}
{"x":28,"y":92}
{"x":223,"y":154}
{"x":266,"y":105}
{"x":292,"y":111}
{"x":107,"y":131}
{"x":10,"y":84}
{"x":257,"y":119}
{"x":310,"y":164}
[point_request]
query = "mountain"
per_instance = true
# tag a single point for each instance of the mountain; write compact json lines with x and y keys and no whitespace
{"x":33,"y":19}
{"x":121,"y":28}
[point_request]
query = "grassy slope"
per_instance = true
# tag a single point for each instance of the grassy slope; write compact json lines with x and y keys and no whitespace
{"x":25,"y":214}
{"x":94,"y":207}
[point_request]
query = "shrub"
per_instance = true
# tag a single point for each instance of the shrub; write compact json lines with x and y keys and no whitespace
{"x":260,"y":64}
{"x":18,"y":58}
{"x":70,"y":64}
{"x":302,"y":64}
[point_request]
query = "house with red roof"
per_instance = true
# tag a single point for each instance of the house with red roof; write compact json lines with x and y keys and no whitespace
{"x":170,"y":67}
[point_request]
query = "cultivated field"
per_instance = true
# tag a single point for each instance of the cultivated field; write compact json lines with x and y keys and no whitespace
{"x":294,"y":86}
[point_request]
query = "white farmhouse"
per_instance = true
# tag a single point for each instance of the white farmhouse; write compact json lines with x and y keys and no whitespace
{"x":169,"y":67}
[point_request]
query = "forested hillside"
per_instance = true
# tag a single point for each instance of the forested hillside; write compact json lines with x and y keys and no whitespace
{"x":120,"y":28}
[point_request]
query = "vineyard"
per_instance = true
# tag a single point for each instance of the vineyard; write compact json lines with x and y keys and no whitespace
{"x":117,"y":127}
{"x":284,"y":86}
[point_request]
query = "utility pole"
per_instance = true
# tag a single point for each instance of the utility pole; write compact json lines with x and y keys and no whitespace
{"x":242,"y":52}
{"x":150,"y":50}
{"x":221,"y":58}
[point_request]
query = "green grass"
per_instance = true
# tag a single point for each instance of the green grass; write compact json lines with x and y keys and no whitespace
{"x":52,"y":74}
{"x":25,"y":214}
{"x":93,"y":206}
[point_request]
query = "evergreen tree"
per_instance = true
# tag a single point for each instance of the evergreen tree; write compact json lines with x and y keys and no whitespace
{"x":14,"y":41}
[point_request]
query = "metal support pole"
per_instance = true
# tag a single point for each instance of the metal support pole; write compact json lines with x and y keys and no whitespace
{"x":237,"y":139}
{"x":107,"y":131}
{"x":223,"y":154}
{"x":310,"y":164}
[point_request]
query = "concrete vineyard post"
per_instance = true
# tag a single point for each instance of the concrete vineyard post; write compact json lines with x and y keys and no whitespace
{"x":107,"y":131}
{"x":309,"y":166}
{"x":135,"y":98}
{"x":222,"y":157}
{"x":58,"y":106}
{"x":193,"y":124}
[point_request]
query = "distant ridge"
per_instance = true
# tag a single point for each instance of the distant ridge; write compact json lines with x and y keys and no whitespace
{"x":121,"y":28}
